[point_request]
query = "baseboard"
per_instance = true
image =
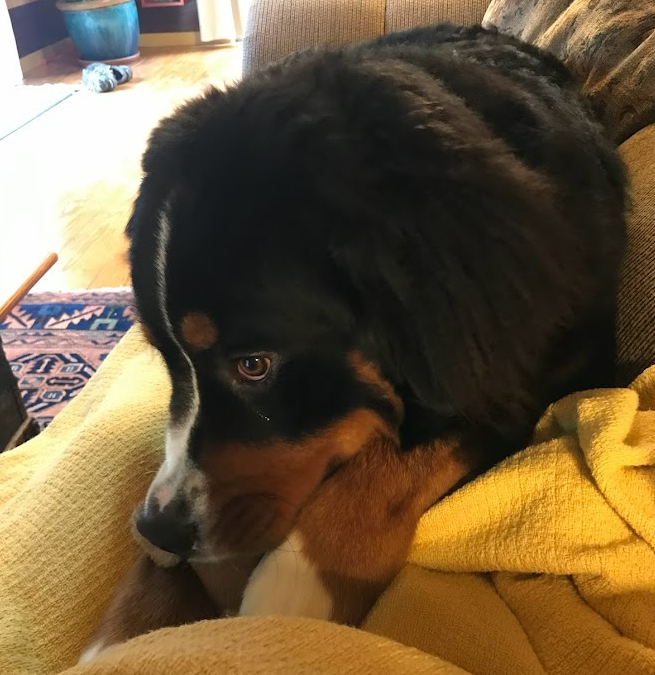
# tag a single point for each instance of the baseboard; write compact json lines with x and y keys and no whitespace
{"x":182,"y":39}
{"x":35,"y":59}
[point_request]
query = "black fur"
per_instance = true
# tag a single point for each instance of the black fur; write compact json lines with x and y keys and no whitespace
{"x":440,"y":200}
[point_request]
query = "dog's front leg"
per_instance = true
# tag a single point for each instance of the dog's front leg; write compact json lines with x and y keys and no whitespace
{"x":148,"y":598}
{"x":353,"y":537}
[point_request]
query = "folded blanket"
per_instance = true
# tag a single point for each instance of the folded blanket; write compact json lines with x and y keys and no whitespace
{"x":546,"y":564}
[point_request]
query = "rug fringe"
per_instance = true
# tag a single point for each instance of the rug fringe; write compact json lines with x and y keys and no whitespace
{"x":103,"y":289}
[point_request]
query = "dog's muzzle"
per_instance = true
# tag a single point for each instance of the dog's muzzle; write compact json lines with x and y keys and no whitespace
{"x":169,"y":529}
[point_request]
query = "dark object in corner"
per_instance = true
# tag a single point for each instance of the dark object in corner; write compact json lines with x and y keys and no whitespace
{"x":15,"y":426}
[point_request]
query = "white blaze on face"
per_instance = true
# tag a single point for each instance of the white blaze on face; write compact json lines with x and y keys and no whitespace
{"x":176,"y":469}
{"x":176,"y":473}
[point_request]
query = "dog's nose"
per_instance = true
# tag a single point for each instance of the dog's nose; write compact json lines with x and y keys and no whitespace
{"x":168,"y":529}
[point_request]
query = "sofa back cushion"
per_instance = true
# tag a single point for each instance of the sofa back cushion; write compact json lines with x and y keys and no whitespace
{"x":276,"y":28}
{"x":609,"y":45}
{"x":636,"y":320}
{"x":403,"y":14}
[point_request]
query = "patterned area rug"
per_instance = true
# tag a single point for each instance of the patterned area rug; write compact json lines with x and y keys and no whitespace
{"x":56,"y":341}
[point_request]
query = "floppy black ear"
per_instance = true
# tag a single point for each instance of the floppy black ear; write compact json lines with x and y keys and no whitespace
{"x":173,"y":152}
{"x":178,"y":141}
{"x":172,"y":160}
{"x":461,"y":262}
{"x":143,"y":231}
{"x":141,"y":214}
{"x":463,"y":294}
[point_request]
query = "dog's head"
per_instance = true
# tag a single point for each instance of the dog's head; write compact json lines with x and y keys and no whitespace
{"x":298,"y":259}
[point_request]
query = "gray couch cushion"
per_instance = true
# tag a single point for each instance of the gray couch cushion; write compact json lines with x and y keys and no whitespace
{"x":636,"y":320}
{"x":609,"y":45}
{"x":402,"y":14}
{"x":276,"y":28}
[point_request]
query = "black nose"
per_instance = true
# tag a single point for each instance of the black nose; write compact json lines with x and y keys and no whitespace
{"x":168,"y":529}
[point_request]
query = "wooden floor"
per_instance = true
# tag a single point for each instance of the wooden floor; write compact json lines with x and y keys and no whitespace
{"x":67,"y":180}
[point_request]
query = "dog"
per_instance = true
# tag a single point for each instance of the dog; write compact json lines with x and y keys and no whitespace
{"x":369,"y":270}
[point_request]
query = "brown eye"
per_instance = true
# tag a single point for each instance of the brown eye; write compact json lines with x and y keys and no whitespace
{"x":254,"y":368}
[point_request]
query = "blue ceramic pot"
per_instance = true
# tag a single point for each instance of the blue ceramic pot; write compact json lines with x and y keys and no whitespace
{"x":102,"y":30}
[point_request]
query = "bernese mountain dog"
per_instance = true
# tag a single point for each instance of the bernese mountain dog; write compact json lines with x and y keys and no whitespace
{"x":368,"y":269}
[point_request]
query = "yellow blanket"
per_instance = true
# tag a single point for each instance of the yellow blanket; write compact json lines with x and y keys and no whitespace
{"x":544,"y":565}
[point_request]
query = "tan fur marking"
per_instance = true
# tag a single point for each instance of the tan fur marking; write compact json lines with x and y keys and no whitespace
{"x":257,"y":490}
{"x":198,"y":331}
{"x":359,"y":525}
{"x":151,"y":597}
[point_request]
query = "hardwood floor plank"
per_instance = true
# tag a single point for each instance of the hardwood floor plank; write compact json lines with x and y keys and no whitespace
{"x":68,"y":179}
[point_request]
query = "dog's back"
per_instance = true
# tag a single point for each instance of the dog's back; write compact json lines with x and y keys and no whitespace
{"x":369,"y":270}
{"x":530,"y":100}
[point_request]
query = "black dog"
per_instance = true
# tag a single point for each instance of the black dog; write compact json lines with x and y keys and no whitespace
{"x":410,"y":240}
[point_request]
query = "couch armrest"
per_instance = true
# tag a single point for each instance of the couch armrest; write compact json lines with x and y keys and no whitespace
{"x":636,"y":317}
{"x":276,"y":28}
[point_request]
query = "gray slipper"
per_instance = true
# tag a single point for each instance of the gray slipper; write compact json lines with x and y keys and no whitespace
{"x":99,"y":77}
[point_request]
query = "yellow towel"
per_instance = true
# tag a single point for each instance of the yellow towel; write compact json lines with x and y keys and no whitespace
{"x":544,"y":565}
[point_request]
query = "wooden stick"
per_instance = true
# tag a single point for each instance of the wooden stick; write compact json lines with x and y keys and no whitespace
{"x":27,"y":285}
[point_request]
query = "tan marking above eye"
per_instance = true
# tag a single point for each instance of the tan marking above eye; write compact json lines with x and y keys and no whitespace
{"x":266,"y":484}
{"x":199,"y":331}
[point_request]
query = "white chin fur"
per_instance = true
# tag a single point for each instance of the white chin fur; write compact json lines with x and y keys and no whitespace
{"x":286,"y":583}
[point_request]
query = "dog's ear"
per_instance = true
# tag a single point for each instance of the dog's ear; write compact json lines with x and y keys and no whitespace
{"x":173,"y":153}
{"x":178,"y":143}
{"x":172,"y":161}
{"x":450,"y":290}
{"x":449,"y":241}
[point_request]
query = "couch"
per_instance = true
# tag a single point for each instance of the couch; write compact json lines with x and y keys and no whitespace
{"x":543,"y":566}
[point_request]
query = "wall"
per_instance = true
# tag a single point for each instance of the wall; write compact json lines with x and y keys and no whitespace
{"x":37,"y":25}
{"x":10,"y":71}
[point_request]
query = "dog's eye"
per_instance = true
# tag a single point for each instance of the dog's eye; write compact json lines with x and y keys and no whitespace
{"x":253,"y":368}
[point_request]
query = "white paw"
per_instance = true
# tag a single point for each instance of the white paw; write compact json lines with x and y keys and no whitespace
{"x":286,"y":583}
